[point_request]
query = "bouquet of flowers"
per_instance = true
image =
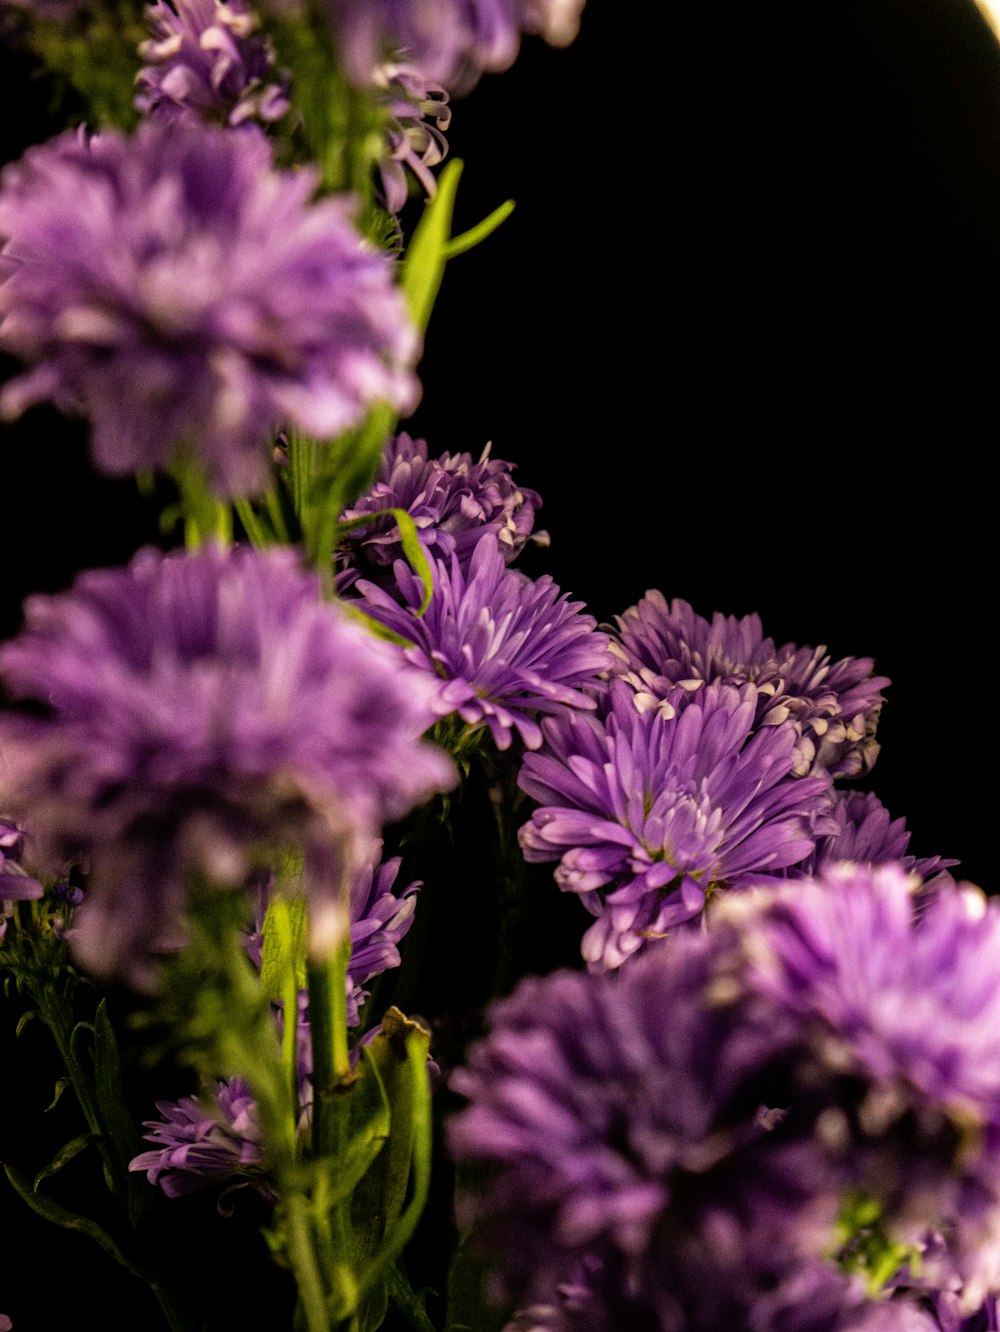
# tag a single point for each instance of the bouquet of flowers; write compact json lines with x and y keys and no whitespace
{"x":397,"y":943}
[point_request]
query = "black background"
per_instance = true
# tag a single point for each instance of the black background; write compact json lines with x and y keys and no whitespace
{"x":740,"y":333}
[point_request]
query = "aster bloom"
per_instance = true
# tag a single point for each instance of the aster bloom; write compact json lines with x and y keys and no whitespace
{"x":694,"y":1126}
{"x":649,"y":816}
{"x":204,"y":1141}
{"x":615,"y":1122}
{"x":16,"y":884}
{"x":502,"y":648}
{"x":868,"y":835}
{"x":452,"y":41}
{"x":380,"y":917}
{"x":207,"y":710}
{"x":418,"y":118}
{"x":903,"y":1009}
{"x":206,"y":60}
{"x":452,"y":500}
{"x":834,"y":706}
{"x":182,"y":292}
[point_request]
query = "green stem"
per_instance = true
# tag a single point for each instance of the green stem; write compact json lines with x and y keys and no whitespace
{"x":302,"y":1256}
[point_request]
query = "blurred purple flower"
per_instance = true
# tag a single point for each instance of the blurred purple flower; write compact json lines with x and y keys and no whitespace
{"x":834,"y":707}
{"x":206,"y":61}
{"x":185,"y":294}
{"x":453,"y":41}
{"x":693,"y":1130}
{"x":502,"y":648}
{"x":419,"y":116}
{"x":903,"y":1010}
{"x":650,"y":816}
{"x":206,"y":710}
{"x":452,"y":500}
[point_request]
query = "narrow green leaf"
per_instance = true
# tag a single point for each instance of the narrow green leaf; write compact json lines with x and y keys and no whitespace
{"x":63,"y":1157}
{"x":61,"y":1086}
{"x":411,"y":1304}
{"x":415,"y":554}
{"x":54,"y":1212}
{"x":423,"y":266}
{"x":119,"y":1127}
{"x":24,"y":1019}
{"x":475,"y":235}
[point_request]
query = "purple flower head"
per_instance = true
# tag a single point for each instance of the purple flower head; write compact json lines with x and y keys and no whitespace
{"x":453,"y":41}
{"x":185,"y":294}
{"x":696,"y":1130}
{"x":206,"y":61}
{"x":865,"y":834}
{"x":900,"y":1012}
{"x":16,"y":884}
{"x":206,"y":711}
{"x":203,"y":1141}
{"x":650,"y":815}
{"x":380,"y":918}
{"x":503,"y":648}
{"x":834,"y":707}
{"x":618,"y":1125}
{"x":419,"y":116}
{"x":453,"y":502}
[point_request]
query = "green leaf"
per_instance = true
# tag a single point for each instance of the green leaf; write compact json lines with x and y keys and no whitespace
{"x":387,"y":1203}
{"x":50,"y":1210}
{"x":475,"y":235}
{"x":468,"y":1308}
{"x":24,"y":1019}
{"x":61,"y":1085}
{"x":119,"y":1128}
{"x":64,"y":1156}
{"x":423,"y":266}
{"x":411,"y":1304}
{"x":415,"y":554}
{"x":284,"y":947}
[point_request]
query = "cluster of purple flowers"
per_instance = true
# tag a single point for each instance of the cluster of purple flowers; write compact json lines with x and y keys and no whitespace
{"x":769,"y":1125}
{"x":708,"y":766}
{"x":215,"y":1138}
{"x":501,"y":649}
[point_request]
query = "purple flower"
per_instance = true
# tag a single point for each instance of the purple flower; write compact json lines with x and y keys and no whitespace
{"x":186,"y":295}
{"x":453,"y":502}
{"x":650,"y":816}
{"x":452,"y":41}
{"x":866,"y":835}
{"x":506,"y":648}
{"x":207,"y":61}
{"x":419,"y":116}
{"x":726,"y":1132}
{"x":379,"y":919}
{"x":206,"y":711}
{"x":614,"y":1123}
{"x":16,"y":884}
{"x":834,"y":707}
{"x":204,"y":1141}
{"x":903,"y":1009}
